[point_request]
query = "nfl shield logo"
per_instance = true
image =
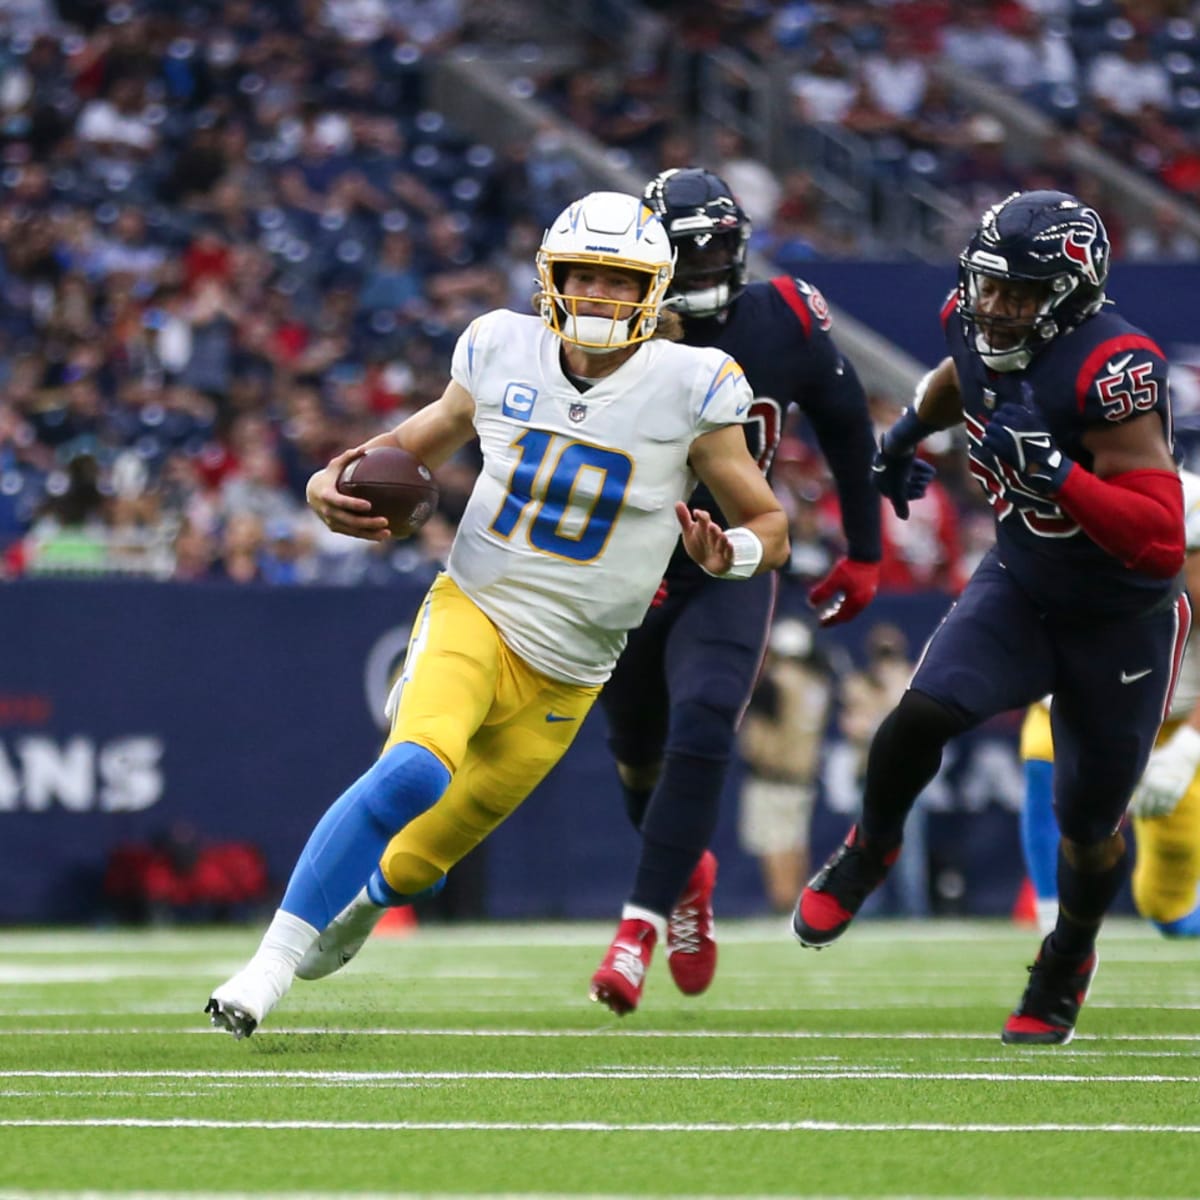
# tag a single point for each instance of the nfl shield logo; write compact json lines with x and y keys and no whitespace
{"x":989,"y":399}
{"x":577,"y":412}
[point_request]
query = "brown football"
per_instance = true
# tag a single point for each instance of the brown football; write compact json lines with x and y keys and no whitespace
{"x":398,"y":485}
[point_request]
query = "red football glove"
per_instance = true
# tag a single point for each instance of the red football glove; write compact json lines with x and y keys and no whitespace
{"x":660,"y":596}
{"x":845,"y":591}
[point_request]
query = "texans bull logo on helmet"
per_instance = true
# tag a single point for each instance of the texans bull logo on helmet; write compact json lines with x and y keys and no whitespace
{"x":1079,"y":246}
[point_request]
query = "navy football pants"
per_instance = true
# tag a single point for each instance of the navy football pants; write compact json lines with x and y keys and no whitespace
{"x":1111,"y":679}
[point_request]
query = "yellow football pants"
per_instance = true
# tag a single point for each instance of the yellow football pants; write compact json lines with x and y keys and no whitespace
{"x":496,"y":723}
{"x":1037,"y":744}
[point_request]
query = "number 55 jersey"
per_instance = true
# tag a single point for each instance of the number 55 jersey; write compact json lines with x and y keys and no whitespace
{"x":571,"y":523}
{"x":1103,"y":372}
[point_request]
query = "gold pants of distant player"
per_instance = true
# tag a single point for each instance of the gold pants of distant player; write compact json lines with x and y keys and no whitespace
{"x":1167,"y":869}
{"x":496,"y":723}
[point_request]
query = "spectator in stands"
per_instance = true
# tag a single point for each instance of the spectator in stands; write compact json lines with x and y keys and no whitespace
{"x":256,"y":486}
{"x":432,"y":25}
{"x":69,"y":532}
{"x":1039,"y":53}
{"x":896,"y":77}
{"x":286,"y":557}
{"x":676,"y":148}
{"x":241,"y":549}
{"x":751,"y":181}
{"x":984,"y":175}
{"x":925,"y":20}
{"x":974,"y":42}
{"x":115,"y":124}
{"x":797,"y":231}
{"x":195,"y":553}
{"x":824,"y":89}
{"x":520,"y":246}
{"x":939,"y":123}
{"x":1051,"y":167}
{"x":1174,"y":154}
{"x":393,"y":282}
{"x":1164,"y":238}
{"x":126,"y":250}
{"x":1128,"y":79}
{"x":357,"y":22}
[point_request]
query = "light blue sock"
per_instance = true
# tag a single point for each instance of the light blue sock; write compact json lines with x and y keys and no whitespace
{"x":344,"y":848}
{"x":1187,"y":926}
{"x":380,"y":892}
{"x":1039,"y":829}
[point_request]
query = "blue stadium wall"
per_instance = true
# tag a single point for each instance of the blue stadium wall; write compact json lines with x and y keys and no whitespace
{"x":901,"y":301}
{"x":126,"y":708}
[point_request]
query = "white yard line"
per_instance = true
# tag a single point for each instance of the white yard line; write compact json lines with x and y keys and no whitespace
{"x":13,"y":1194}
{"x":151,"y":967}
{"x":591,"y":1126}
{"x":616,"y":1074}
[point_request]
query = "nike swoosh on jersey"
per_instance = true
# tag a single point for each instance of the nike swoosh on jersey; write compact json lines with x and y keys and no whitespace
{"x":1118,"y":364}
{"x":554,"y":718}
{"x":1133,"y":678}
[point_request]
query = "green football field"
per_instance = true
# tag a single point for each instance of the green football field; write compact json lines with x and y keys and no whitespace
{"x":468,"y":1060}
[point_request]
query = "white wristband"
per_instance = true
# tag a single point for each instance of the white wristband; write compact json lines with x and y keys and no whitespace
{"x":747,"y":554}
{"x":1185,"y":742}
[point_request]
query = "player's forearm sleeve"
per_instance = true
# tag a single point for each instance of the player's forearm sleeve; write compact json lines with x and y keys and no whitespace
{"x":1137,"y":516}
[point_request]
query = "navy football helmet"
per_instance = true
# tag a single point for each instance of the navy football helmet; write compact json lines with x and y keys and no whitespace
{"x":709,"y":232}
{"x":1047,"y":239}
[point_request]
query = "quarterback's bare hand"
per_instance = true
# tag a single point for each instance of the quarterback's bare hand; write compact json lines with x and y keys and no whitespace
{"x":704,"y":539}
{"x":350,"y":515}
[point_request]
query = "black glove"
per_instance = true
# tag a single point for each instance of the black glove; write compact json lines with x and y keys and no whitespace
{"x":898,"y":473}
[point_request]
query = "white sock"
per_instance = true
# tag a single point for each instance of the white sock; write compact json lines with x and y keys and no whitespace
{"x":632,"y":912}
{"x":286,"y":941}
{"x":1047,"y":915}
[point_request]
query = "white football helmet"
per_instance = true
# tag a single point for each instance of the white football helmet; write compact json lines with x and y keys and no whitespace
{"x":609,"y":229}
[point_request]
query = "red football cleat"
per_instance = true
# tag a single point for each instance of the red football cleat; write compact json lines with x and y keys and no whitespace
{"x":835,"y":894}
{"x":691,"y":944}
{"x":1050,"y":1006}
{"x":622,"y":975}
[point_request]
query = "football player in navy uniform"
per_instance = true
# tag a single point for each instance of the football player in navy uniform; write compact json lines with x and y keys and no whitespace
{"x":1068,"y":419}
{"x":683,"y":682}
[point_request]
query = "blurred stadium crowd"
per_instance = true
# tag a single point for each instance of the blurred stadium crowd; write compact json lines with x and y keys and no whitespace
{"x":236,"y":237}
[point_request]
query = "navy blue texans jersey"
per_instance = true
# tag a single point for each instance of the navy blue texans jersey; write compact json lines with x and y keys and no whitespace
{"x":779,"y":332}
{"x":1103,"y":372}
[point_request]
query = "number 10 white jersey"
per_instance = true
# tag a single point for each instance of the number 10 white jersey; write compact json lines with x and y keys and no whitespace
{"x":571,"y":522}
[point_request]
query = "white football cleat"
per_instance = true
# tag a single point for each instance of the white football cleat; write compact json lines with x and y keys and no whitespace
{"x":341,"y":939}
{"x":242,"y":1003}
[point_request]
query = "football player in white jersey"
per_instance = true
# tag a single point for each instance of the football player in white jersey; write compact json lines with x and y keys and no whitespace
{"x":593,"y":435}
{"x":1166,"y":802}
